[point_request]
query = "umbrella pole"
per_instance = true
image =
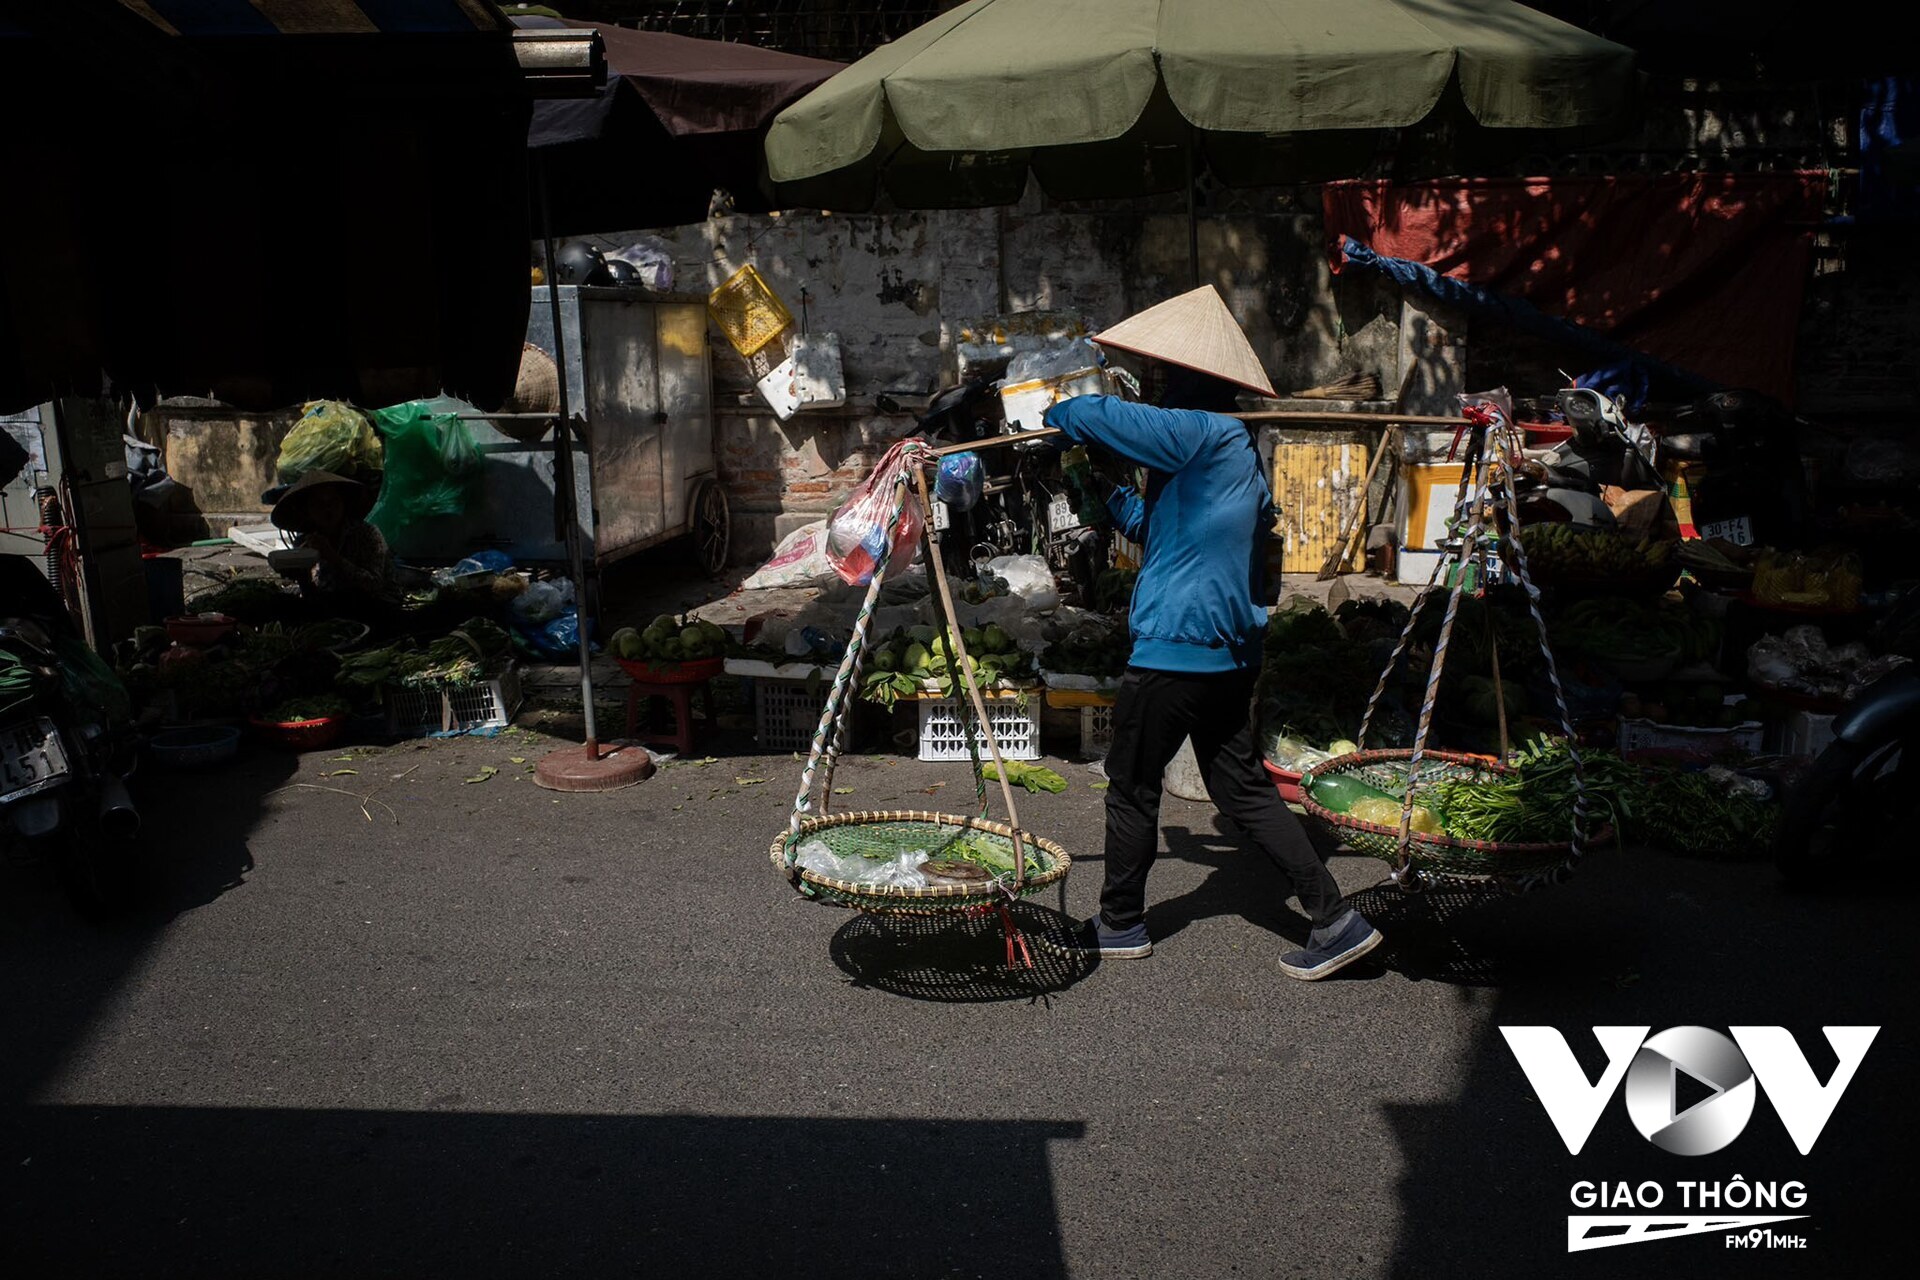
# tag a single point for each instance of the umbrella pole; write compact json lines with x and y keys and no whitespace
{"x":563,"y":467}
{"x":582,"y":768}
{"x":1193,"y":216}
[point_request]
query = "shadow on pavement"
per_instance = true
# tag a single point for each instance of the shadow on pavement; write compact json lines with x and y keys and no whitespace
{"x":208,"y":1192}
{"x":195,"y":831}
{"x":956,"y":959}
{"x":1643,"y":940}
{"x":1243,"y":883}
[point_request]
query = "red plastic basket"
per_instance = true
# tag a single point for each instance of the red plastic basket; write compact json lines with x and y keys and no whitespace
{"x":198,"y":632}
{"x":302,"y":735}
{"x":1287,"y":780}
{"x":672,"y":672}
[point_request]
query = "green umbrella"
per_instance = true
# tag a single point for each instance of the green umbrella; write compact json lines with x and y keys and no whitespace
{"x":1114,"y":97}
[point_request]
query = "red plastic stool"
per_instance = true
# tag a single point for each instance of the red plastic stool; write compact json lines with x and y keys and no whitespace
{"x":680,"y":694}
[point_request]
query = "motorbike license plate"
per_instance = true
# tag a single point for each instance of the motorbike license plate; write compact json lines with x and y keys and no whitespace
{"x":31,"y":759}
{"x":1738,"y":531}
{"x":1061,"y":516}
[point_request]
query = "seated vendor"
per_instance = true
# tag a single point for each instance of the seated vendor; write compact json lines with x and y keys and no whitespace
{"x":353,"y":575}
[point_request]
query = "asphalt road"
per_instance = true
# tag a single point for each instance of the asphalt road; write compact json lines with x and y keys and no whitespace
{"x":470,"y":1028}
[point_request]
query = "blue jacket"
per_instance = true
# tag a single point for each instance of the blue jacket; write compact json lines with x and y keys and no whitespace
{"x":1198,"y":603}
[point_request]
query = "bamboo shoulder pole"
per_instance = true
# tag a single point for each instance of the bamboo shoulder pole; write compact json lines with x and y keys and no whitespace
{"x":1259,"y":415}
{"x":959,"y":655}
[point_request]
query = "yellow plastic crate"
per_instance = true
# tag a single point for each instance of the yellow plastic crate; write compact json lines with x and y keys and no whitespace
{"x":748,"y":312}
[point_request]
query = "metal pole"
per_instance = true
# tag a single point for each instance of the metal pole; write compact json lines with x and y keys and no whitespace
{"x":563,"y":479}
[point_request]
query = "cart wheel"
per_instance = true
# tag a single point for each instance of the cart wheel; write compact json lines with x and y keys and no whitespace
{"x":710,"y":525}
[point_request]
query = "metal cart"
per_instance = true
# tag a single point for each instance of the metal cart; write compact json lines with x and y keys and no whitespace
{"x":637,"y":375}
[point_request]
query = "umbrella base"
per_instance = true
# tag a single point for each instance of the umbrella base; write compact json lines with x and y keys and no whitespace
{"x":621,"y":764}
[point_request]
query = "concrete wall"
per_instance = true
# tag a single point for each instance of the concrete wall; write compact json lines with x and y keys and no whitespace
{"x":899,"y":289}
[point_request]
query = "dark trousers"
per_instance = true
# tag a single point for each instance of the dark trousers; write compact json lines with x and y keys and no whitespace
{"x":1156,"y":711}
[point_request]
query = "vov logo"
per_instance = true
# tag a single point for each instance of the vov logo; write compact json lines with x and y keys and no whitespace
{"x":1655,"y":1067}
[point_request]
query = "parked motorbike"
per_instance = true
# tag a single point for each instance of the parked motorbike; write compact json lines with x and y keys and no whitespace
{"x":66,"y":749}
{"x":1030,"y":504}
{"x":1564,"y":486}
{"x":1753,"y":487}
{"x":1857,"y":794}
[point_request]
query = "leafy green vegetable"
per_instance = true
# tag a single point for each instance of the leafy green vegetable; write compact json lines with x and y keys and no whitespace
{"x":1534,"y":803}
{"x":319,"y":707}
{"x":1031,"y":776}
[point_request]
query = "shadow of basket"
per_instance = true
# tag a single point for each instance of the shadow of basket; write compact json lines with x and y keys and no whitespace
{"x":956,"y":959}
{"x":1449,"y":933}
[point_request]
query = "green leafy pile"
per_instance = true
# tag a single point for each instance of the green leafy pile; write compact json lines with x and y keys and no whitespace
{"x":1315,"y":679}
{"x":316,"y":707}
{"x":249,"y":599}
{"x":1099,"y":652}
{"x":1534,"y":803}
{"x":473,"y":652}
{"x":1710,"y":813}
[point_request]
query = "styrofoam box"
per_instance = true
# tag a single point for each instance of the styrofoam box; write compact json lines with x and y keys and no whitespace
{"x":1806,"y":733}
{"x":943,"y":735}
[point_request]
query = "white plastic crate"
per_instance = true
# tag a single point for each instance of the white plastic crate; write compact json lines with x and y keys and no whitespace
{"x":1643,"y":735}
{"x":1096,"y":731}
{"x":786,"y":713}
{"x":483,"y":708}
{"x":943,"y":735}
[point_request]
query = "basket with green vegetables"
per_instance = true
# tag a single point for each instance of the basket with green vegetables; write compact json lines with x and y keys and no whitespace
{"x":917,"y":660}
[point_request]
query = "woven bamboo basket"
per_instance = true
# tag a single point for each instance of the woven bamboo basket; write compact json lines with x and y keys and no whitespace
{"x":889,"y":832}
{"x":1436,"y":854}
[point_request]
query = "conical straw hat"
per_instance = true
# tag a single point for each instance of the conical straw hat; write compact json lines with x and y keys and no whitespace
{"x":1194,"y":330}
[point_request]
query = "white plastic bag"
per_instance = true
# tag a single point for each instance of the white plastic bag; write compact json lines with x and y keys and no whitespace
{"x":1029,"y":579}
{"x":544,"y":601}
{"x":799,"y":561}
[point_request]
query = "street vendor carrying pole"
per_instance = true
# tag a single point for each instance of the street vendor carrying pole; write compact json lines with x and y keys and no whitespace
{"x":1197,"y":621}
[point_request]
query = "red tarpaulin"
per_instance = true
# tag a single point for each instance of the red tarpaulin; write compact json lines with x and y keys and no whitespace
{"x":1703,"y":271}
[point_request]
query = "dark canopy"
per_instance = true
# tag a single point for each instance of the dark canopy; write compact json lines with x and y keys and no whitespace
{"x":328,"y":202}
{"x":678,"y":118}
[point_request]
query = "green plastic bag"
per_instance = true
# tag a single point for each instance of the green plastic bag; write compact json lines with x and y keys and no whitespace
{"x":433,"y":468}
{"x":330,"y":436}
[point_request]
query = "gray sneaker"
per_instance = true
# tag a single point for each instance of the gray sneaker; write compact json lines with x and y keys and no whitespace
{"x":1092,"y":937}
{"x":1331,"y":948}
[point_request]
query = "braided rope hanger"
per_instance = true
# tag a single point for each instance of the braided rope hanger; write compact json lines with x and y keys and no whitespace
{"x":973,"y":708}
{"x":1486,"y":487}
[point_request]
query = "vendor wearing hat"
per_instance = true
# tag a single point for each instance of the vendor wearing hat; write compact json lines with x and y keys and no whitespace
{"x":1198,"y":620}
{"x":351,"y":572}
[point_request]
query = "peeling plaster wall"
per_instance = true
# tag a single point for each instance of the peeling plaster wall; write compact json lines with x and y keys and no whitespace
{"x":898,"y":288}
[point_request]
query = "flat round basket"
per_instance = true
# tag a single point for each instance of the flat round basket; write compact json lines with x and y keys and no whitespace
{"x":1438,"y":855}
{"x":887,"y":834}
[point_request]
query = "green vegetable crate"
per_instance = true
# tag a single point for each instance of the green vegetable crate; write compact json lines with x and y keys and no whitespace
{"x":482,"y":708}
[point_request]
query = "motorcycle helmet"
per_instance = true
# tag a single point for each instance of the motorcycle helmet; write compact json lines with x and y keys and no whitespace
{"x":578,"y":262}
{"x":620,"y":271}
{"x":960,"y":480}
